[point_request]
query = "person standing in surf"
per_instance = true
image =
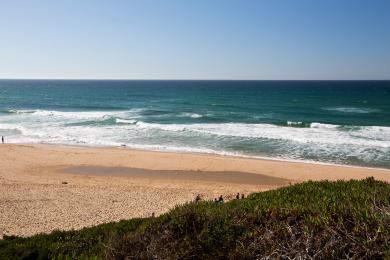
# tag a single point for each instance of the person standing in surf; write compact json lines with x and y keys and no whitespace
{"x":2,"y":139}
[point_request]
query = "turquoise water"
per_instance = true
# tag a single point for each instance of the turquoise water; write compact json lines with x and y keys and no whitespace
{"x":344,"y":122}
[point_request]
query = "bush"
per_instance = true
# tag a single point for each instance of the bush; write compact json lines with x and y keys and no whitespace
{"x":84,"y":243}
{"x":309,"y":220}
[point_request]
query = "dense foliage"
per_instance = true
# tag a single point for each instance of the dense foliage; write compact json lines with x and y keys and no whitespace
{"x":309,"y":220}
{"x":81,"y":244}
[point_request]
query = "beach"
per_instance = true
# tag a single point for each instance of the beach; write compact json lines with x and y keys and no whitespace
{"x":49,"y":187}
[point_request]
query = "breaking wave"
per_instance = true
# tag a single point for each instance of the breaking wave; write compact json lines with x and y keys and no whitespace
{"x":356,"y":110}
{"x":291,"y":139}
{"x":370,"y":136}
{"x":191,"y":115}
{"x":125,"y":121}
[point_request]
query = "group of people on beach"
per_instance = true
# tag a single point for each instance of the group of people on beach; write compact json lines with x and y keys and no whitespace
{"x":219,"y":200}
{"x":238,"y":196}
{"x":198,"y":198}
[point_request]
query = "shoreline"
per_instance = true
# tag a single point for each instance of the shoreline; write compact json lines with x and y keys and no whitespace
{"x":108,"y":184}
{"x":216,"y":154}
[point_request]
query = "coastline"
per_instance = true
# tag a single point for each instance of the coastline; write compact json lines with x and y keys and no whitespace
{"x":213,"y":154}
{"x":40,"y":195}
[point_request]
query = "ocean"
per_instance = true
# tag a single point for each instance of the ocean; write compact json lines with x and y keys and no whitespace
{"x":338,"y":122}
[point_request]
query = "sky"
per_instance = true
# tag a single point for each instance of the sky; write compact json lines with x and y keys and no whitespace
{"x":195,"y":39}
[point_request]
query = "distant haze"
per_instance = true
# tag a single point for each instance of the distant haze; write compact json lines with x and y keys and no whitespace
{"x":195,"y":39}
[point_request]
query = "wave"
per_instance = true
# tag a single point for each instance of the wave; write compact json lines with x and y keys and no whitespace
{"x":318,"y":141}
{"x":326,"y":126}
{"x":292,"y":123}
{"x":73,"y":118}
{"x":317,"y":133}
{"x":125,"y":121}
{"x":127,"y":126}
{"x":187,"y":149}
{"x":165,"y":127}
{"x":14,"y":111}
{"x":10,"y":130}
{"x":300,"y":124}
{"x":72,"y":115}
{"x":8,"y":111}
{"x":77,"y":114}
{"x":322,"y":125}
{"x":356,"y":110}
{"x":104,"y":121}
{"x":101,"y":114}
{"x":296,"y":124}
{"x":191,"y":115}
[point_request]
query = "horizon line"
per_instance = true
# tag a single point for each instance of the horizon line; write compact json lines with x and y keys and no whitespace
{"x":189,"y":79}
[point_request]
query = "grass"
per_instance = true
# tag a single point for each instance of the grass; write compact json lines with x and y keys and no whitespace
{"x":309,"y":220}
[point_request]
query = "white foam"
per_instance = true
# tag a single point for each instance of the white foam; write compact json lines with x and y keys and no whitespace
{"x":10,"y":131}
{"x":38,"y":122}
{"x":73,"y":115}
{"x":125,"y":121}
{"x":357,"y":110}
{"x":165,"y":127}
{"x":317,"y":133}
{"x":192,"y":115}
{"x":188,"y":149}
{"x":292,"y":123}
{"x":320,"y":125}
{"x":23,"y":111}
{"x":12,"y":128}
{"x":320,"y":140}
{"x":88,"y":115}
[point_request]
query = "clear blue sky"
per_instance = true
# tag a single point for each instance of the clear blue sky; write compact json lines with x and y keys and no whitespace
{"x":195,"y":39}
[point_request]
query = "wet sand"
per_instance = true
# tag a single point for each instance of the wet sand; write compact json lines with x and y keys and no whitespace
{"x":209,"y":176}
{"x":47,"y":187}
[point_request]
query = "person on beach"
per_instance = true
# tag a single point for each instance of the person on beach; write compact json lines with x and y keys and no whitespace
{"x":242,"y":196}
{"x":197,"y":198}
{"x":238,"y":196}
{"x":220,"y":199}
{"x":2,"y":139}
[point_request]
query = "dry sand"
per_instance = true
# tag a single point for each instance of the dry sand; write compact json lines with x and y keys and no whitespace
{"x":47,"y":187}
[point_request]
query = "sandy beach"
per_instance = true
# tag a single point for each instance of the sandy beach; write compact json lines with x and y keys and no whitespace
{"x":48,"y":187}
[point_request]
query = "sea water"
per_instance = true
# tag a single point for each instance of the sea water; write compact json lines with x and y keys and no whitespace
{"x":342,"y":122}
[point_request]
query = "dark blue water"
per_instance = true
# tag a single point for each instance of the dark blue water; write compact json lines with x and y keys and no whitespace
{"x":346,"y":122}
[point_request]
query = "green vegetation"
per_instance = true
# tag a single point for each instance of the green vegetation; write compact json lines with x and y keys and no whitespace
{"x":314,"y":219}
{"x":84,"y":243}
